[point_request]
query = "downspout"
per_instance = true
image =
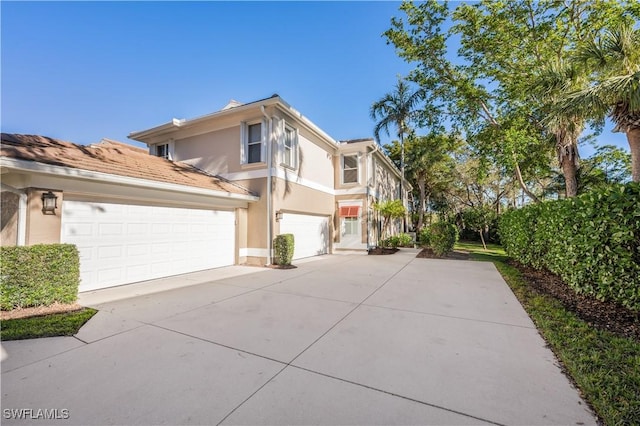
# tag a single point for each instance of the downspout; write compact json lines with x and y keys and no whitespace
{"x":22,"y":213}
{"x":269,"y":189}
{"x":369,"y":156}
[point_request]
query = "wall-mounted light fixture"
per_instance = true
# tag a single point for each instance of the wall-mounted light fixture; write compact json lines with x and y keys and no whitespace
{"x":278,"y":215}
{"x":49,"y":203}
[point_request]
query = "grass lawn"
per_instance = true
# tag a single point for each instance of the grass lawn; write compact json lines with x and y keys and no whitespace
{"x":604,"y":366}
{"x":60,"y":324}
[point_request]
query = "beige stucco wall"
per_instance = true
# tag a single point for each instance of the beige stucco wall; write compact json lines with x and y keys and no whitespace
{"x":9,"y":212}
{"x":314,"y":163}
{"x":217,"y":152}
{"x":42,"y":228}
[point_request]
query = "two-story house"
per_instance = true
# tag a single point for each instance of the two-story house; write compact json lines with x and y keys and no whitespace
{"x":208,"y":192}
{"x":309,"y":184}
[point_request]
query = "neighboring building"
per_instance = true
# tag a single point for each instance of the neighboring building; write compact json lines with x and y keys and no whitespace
{"x":215,"y":191}
{"x":309,"y":184}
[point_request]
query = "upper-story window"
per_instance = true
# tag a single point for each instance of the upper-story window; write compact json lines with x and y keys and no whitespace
{"x":350,"y":169}
{"x":162,"y":151}
{"x":254,"y":143}
{"x":252,"y":150}
{"x":290,"y":147}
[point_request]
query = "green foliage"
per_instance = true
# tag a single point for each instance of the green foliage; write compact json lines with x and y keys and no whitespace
{"x":38,"y":275}
{"x":61,"y":324}
{"x":284,"y":245}
{"x":395,"y":241}
{"x":389,"y":210}
{"x":442,"y":237}
{"x":423,"y":237}
{"x":592,"y":241}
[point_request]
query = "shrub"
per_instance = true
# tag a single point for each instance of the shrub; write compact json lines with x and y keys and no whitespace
{"x":423,"y":238}
{"x":405,"y":240}
{"x":591,"y":241}
{"x":442,"y":237}
{"x":391,"y":242}
{"x":38,"y":275}
{"x":284,"y":245}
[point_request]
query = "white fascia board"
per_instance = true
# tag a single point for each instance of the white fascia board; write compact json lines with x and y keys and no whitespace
{"x":285,"y":107}
{"x":278,"y":101}
{"x":184,"y":123}
{"x":69,"y":172}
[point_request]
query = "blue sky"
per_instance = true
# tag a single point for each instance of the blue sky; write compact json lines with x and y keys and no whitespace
{"x":81,"y":71}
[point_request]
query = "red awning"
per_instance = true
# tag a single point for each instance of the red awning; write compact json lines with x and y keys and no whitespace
{"x":349,"y":211}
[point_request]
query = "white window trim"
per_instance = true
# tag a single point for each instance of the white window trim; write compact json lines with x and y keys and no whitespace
{"x":294,"y":149}
{"x":244,"y":142}
{"x":357,"y":182}
{"x":170,"y":149}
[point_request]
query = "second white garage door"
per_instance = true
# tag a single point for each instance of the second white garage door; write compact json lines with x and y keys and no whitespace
{"x":121,"y":243}
{"x":311,"y":233}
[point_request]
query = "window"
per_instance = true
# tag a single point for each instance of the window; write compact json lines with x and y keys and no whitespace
{"x":350,"y":226}
{"x":290,"y":148}
{"x":350,"y":169}
{"x":162,"y":151}
{"x":254,"y":143}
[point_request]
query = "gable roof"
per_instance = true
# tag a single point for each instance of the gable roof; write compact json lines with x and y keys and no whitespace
{"x":234,"y":107}
{"x":113,"y":158}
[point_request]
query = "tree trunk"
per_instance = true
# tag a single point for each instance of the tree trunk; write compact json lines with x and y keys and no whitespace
{"x":569,"y":168}
{"x":482,"y":239}
{"x":633,"y":137}
{"x":421,"y":185}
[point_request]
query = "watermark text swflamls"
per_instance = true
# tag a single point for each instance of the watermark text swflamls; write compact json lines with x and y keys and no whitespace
{"x":35,"y":413}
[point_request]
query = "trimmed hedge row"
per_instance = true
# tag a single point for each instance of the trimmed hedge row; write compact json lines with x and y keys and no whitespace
{"x":38,"y":275}
{"x":591,"y":241}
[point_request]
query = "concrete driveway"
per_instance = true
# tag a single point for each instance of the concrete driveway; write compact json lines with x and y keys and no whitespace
{"x":343,"y":339}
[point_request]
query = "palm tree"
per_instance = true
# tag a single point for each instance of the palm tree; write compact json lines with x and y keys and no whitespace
{"x":615,"y":59}
{"x":554,"y":82}
{"x":397,"y":109}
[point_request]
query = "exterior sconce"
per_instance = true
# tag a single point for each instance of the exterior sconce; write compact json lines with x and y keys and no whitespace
{"x":278,"y":215}
{"x":49,"y":203}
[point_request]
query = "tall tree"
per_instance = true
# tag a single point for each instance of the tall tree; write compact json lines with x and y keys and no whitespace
{"x":615,"y":57}
{"x":502,"y":44}
{"x":397,"y":109}
{"x":551,"y":84}
{"x":429,"y":166}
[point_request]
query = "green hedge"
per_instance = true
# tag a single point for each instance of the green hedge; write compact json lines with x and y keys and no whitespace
{"x":283,"y":246}
{"x":441,"y":236}
{"x":38,"y":275}
{"x":591,"y":241}
{"x":395,"y":241}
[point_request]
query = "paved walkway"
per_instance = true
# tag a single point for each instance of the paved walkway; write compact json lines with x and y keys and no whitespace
{"x":344,"y":339}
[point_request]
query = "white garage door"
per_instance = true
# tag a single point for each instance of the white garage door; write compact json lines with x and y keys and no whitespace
{"x":121,"y":243}
{"x":311,"y":233}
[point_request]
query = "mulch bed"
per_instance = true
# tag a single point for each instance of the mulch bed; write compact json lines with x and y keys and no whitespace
{"x":427,"y":253}
{"x":381,"y":251}
{"x":604,"y":315}
{"x":274,"y":266}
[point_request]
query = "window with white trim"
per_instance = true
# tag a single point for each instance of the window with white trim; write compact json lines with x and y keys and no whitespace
{"x":350,"y":169}
{"x":351,"y":226}
{"x":162,"y":151}
{"x":254,"y":143}
{"x":290,"y":147}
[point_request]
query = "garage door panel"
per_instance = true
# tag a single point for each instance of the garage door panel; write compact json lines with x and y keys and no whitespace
{"x":311,"y":234}
{"x":121,"y":244}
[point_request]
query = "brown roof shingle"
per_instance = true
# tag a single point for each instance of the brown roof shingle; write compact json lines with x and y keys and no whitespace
{"x":114,"y":158}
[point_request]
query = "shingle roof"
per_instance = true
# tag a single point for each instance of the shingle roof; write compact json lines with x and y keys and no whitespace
{"x":112,"y":157}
